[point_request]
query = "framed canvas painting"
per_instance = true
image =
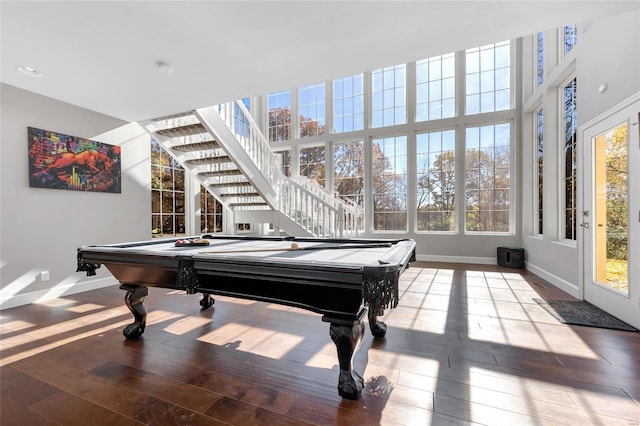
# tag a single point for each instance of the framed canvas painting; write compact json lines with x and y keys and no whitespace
{"x":60,"y":161}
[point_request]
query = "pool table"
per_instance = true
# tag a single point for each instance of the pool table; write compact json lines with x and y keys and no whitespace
{"x":341,"y":279}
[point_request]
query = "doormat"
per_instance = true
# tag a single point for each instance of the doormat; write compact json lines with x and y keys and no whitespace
{"x":582,"y":313}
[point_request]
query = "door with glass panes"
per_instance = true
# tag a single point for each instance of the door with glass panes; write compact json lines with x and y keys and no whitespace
{"x":611,"y":213}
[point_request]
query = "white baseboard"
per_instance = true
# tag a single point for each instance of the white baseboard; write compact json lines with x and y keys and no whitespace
{"x":55,"y":292}
{"x":563,"y":285}
{"x":458,"y":259}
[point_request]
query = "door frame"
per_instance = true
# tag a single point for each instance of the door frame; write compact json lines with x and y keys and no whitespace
{"x":584,"y":200}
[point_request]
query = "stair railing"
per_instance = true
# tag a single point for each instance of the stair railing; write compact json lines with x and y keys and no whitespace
{"x":300,"y":199}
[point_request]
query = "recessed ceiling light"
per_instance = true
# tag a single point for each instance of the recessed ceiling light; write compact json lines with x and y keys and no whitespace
{"x":165,"y":67}
{"x":29,"y":71}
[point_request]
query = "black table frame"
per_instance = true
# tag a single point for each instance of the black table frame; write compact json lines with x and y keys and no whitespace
{"x":356,"y":290}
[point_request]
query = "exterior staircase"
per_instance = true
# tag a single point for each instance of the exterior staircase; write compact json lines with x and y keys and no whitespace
{"x":224,"y":149}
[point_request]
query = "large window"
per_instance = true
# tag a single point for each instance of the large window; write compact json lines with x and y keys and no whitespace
{"x":570,"y":125}
{"x":312,"y":164}
{"x":388,"y":92}
{"x":311,"y":110}
{"x":488,"y":81}
{"x":487,"y":179}
{"x":167,"y":194}
{"x":348,"y":104}
{"x":389,"y":180}
{"x":436,"y":183}
{"x":348,"y":175}
{"x":540,"y":169}
{"x":280,"y":116}
{"x":210,"y":213}
{"x":436,"y":87}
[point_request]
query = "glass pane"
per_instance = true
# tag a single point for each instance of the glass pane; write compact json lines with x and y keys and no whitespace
{"x":611,"y":209}
{"x":167,"y":224}
{"x":167,"y":202}
{"x":156,"y":177}
{"x":155,"y":202}
{"x":167,"y":179}
{"x":156,"y":225}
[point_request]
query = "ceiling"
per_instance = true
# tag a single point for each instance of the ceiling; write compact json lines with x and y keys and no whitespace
{"x":104,"y":56}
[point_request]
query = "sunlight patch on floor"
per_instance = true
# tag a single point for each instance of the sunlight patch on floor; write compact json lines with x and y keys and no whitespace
{"x":84,"y":308}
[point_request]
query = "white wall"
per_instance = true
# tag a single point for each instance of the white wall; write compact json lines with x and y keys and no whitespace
{"x":607,"y":51}
{"x":40,"y":229}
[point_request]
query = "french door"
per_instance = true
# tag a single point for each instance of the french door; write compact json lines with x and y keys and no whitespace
{"x":611,"y":213}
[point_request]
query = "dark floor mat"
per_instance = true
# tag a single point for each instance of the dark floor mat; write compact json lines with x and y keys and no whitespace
{"x":582,"y":313}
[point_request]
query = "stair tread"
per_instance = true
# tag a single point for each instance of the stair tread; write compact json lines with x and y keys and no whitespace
{"x":251,"y":204}
{"x":211,"y":173}
{"x":209,"y":160}
{"x":197,"y":146}
{"x":188,"y":130}
{"x":229,"y":184}
{"x":247,"y":194}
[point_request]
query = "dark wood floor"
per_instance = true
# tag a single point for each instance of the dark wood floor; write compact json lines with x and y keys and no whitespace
{"x":466,"y":345}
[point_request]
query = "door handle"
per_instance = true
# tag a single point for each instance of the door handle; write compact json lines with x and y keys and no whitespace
{"x":585,"y":225}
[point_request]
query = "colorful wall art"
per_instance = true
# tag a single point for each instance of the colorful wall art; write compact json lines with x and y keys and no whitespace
{"x":59,"y":161}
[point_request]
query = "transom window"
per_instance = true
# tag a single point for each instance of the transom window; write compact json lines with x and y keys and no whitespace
{"x":348,"y":104}
{"x":540,"y":58}
{"x":436,"y":183}
{"x":487,"y":179}
{"x":388,"y":92}
{"x":488,"y":81}
{"x":435,"y":87}
{"x":311,"y":107}
{"x":569,"y":38}
{"x":280,"y":116}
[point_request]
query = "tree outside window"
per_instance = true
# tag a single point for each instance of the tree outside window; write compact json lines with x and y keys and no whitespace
{"x":487,"y":178}
{"x":167,"y":193}
{"x":389,"y":160}
{"x":436,"y":183}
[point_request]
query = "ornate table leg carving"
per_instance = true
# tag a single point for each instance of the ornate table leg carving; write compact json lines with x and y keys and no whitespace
{"x":377,"y":327}
{"x":133,"y":299}
{"x":347,"y":339}
{"x":207,"y":301}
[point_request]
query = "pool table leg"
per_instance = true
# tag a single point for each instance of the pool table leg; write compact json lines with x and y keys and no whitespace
{"x":377,"y":327}
{"x":133,"y":299}
{"x":207,"y":300}
{"x":347,"y":339}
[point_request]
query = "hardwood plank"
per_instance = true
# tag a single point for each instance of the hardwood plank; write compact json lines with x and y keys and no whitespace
{"x":66,"y":409}
{"x":17,"y":393}
{"x":163,"y":413}
{"x":173,"y":392}
{"x":237,"y":412}
{"x":90,"y":388}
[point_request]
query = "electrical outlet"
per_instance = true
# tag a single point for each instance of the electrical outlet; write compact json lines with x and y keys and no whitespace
{"x":44,"y":276}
